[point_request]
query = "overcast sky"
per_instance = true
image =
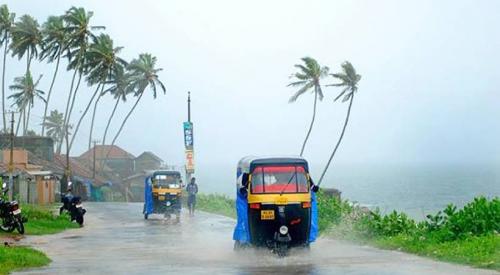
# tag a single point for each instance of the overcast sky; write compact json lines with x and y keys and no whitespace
{"x":429,"y":92}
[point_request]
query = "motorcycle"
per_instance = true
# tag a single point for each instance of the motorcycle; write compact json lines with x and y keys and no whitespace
{"x":74,"y":207}
{"x":10,"y":214}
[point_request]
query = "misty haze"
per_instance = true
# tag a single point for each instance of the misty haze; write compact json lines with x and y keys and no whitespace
{"x":250,"y":137}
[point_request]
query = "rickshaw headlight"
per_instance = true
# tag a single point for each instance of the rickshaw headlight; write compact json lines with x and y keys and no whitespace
{"x":168,"y":203}
{"x":283,"y":230}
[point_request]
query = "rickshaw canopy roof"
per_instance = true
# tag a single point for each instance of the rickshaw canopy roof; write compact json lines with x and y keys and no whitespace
{"x":246,"y":164}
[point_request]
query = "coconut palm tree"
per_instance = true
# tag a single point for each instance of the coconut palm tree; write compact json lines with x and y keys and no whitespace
{"x":25,"y":96}
{"x":119,"y":89}
{"x":26,"y":38}
{"x":101,"y":59}
{"x":6,"y":23}
{"x":55,"y":127}
{"x":143,"y":74}
{"x":349,"y":82}
{"x":80,"y":32}
{"x":308,"y":78}
{"x":55,"y":40}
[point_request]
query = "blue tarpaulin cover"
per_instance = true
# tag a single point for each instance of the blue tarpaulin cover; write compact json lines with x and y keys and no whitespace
{"x":148,"y":196}
{"x":242,"y":232}
{"x":313,"y":232}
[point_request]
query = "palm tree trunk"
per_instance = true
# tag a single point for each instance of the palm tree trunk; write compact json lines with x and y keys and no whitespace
{"x":27,"y":119}
{"x":67,"y":109}
{"x":125,"y":121}
{"x":28,"y":60}
{"x":340,"y":139}
{"x":93,"y":116}
{"x":109,"y":121}
{"x":3,"y":83}
{"x":19,"y":121}
{"x":24,"y":121}
{"x":68,"y":118}
{"x":312,"y":121}
{"x":83,"y":116}
{"x":49,"y":93}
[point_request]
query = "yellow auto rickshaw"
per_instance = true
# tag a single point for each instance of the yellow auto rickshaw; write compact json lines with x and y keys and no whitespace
{"x":163,"y":194}
{"x":275,"y":204}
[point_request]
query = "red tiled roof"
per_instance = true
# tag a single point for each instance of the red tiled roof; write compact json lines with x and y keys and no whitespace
{"x":77,"y":168}
{"x":111,"y":152}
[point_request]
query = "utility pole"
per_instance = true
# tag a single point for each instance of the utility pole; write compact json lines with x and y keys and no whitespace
{"x":95,"y":141}
{"x":11,"y":160}
{"x":189,"y":106}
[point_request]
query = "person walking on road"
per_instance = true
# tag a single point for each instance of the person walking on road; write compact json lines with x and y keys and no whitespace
{"x":192,"y":189}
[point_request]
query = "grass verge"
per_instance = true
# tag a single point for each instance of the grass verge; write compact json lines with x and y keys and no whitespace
{"x":18,"y":257}
{"x":217,"y":204}
{"x":41,"y":220}
{"x":466,"y":236}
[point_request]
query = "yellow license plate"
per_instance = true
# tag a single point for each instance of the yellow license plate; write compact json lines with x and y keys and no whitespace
{"x":267,"y":214}
{"x":281,"y":200}
{"x":162,"y":198}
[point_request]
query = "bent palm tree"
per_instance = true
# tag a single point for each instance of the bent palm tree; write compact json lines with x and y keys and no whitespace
{"x":101,"y":58}
{"x":25,"y":97}
{"x":6,"y":23}
{"x":79,"y":31}
{"x":120,"y":88}
{"x":308,"y":78}
{"x":26,"y":37}
{"x":143,"y":75}
{"x":55,"y":39}
{"x":55,"y":126}
{"x":349,"y":81}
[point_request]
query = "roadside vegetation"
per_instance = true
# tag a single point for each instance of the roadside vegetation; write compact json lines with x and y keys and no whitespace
{"x":217,"y":204}
{"x":41,"y":220}
{"x":467,"y":236}
{"x":19,"y":257}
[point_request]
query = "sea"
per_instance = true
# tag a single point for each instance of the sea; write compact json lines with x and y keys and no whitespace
{"x":417,"y":190}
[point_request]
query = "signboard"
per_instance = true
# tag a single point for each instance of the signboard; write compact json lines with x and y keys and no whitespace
{"x":189,"y":161}
{"x":188,"y":135}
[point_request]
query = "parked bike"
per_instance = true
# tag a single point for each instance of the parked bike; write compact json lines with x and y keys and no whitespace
{"x":73,"y":204}
{"x":10,"y":214}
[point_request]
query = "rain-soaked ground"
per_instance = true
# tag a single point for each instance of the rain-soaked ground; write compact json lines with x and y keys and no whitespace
{"x":117,"y":240}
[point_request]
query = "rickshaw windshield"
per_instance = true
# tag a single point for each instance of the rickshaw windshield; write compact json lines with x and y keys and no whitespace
{"x":278,"y":179}
{"x":167,"y":181}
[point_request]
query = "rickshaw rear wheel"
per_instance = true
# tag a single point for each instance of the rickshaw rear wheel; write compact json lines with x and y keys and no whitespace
{"x":281,"y":250}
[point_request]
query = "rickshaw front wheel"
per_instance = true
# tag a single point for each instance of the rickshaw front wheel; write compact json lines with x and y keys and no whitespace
{"x":145,"y":216}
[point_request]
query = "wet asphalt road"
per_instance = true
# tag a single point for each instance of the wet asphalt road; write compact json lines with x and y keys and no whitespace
{"x":117,"y":240}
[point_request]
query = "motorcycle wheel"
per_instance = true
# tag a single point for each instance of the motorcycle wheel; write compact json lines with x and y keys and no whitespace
{"x":4,"y":227}
{"x":20,"y":225}
{"x":79,"y":220}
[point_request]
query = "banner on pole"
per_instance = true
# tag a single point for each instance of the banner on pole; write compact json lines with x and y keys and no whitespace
{"x":188,"y":135}
{"x":189,"y":161}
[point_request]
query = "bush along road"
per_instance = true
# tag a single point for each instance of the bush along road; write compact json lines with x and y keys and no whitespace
{"x":466,"y":236}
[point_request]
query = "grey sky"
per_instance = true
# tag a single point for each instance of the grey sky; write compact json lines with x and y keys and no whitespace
{"x":429,"y":92}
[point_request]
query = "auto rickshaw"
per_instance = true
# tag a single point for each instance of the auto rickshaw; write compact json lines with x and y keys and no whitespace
{"x":162,"y":194}
{"x":275,"y":204}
